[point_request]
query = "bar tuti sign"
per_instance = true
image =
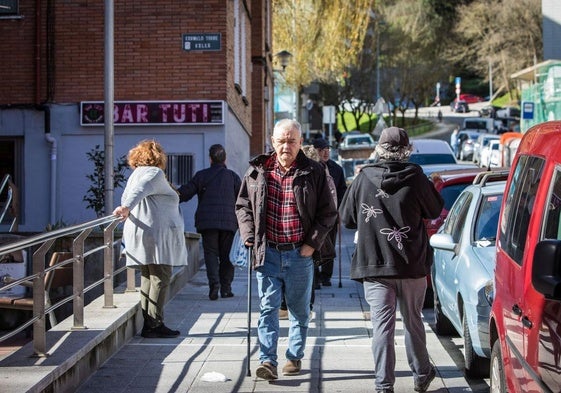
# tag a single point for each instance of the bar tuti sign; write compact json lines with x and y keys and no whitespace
{"x":140,"y":113}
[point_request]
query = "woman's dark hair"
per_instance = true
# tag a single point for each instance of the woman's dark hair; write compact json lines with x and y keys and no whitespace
{"x":217,"y":154}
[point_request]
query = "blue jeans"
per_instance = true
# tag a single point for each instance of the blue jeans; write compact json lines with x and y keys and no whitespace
{"x":295,"y":273}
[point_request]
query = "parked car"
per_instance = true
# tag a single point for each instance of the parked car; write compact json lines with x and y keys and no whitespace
{"x":449,"y":180}
{"x":459,"y":106}
{"x":358,"y":140}
{"x":525,"y":319}
{"x":480,"y":144}
{"x":491,"y":155}
{"x":450,"y":183}
{"x":470,"y":98}
{"x":352,"y":166}
{"x":481,"y":124}
{"x":488,"y":111}
{"x":429,"y":169}
{"x":466,"y":142}
{"x":462,"y":272}
{"x":508,"y":111}
{"x":431,"y":151}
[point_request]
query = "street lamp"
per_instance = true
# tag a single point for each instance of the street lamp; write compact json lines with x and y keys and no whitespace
{"x":284,"y":58}
{"x":284,"y":101}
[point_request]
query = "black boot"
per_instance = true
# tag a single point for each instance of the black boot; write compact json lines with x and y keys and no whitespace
{"x":213,"y":292}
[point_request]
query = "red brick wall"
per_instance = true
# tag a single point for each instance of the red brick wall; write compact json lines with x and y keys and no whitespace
{"x":149,"y":60}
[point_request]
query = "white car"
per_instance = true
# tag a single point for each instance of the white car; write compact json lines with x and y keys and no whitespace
{"x":431,"y":151}
{"x":480,"y":144}
{"x":491,"y":155}
{"x":357,"y":141}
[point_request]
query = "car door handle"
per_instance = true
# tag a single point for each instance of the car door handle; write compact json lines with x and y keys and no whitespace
{"x":516,"y":310}
{"x":526,"y":322}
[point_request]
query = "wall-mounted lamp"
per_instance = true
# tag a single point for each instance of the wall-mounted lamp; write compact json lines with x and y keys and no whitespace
{"x":284,"y":58}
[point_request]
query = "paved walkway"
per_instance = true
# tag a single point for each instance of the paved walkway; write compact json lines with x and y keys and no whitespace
{"x":213,"y":341}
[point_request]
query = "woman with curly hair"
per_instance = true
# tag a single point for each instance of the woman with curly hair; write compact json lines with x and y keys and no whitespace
{"x":153,"y":233}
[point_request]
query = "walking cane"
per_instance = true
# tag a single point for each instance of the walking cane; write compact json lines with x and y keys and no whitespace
{"x":249,"y":250}
{"x":339,"y":230}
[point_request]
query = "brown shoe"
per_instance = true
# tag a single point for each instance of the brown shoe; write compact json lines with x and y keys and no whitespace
{"x":283,"y":314}
{"x":292,"y":367}
{"x":266,"y":371}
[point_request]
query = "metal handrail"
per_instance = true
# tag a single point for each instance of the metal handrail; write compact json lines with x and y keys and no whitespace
{"x":6,"y":182}
{"x":45,"y":241}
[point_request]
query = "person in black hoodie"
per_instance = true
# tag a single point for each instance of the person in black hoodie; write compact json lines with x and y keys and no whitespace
{"x":387,"y":203}
{"x":217,"y":189}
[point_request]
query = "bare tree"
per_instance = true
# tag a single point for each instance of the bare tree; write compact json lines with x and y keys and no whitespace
{"x":504,"y":35}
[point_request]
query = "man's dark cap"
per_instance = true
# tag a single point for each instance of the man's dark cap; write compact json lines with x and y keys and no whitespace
{"x":394,"y":136}
{"x":320,"y":143}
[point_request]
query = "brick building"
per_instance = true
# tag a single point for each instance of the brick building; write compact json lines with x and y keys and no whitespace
{"x":186,"y":73}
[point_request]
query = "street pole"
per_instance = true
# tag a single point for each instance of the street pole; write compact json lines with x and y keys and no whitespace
{"x":490,"y":81}
{"x":378,"y":64}
{"x":108,"y":106}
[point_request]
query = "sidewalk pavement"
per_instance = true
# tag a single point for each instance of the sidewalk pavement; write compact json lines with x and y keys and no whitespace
{"x":213,"y":342}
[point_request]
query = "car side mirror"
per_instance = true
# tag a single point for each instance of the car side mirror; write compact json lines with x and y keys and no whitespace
{"x":546,"y":269}
{"x":442,"y":241}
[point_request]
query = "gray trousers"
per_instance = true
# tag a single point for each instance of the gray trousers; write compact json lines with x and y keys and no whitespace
{"x":383,"y":295}
{"x":154,"y":284}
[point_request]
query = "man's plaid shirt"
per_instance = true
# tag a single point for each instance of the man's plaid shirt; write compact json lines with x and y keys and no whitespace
{"x":283,"y":220}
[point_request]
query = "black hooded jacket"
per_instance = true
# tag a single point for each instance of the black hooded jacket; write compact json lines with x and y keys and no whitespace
{"x":387,"y":203}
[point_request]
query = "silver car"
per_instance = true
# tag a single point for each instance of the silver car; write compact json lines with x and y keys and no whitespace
{"x":464,"y":262}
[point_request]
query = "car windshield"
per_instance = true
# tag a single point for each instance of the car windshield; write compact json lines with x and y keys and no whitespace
{"x":474,"y":124}
{"x":487,"y":220}
{"x":362,"y":140}
{"x":451,"y":193}
{"x":425,"y":159}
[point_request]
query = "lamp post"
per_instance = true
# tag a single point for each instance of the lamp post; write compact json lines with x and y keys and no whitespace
{"x":284,"y":58}
{"x":279,"y":82}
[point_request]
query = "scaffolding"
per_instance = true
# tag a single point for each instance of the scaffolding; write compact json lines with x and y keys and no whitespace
{"x":540,"y":86}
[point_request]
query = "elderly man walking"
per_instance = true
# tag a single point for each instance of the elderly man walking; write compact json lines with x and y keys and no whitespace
{"x":285,"y":213}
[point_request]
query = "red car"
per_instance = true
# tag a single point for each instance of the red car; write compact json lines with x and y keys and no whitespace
{"x":450,"y":183}
{"x":525,"y":319}
{"x":470,"y":98}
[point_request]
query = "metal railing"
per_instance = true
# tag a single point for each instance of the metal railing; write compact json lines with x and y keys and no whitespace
{"x":10,"y":201}
{"x":44,"y":241}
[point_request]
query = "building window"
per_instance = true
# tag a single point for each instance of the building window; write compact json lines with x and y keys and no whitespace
{"x":11,"y":163}
{"x":9,"y":8}
{"x":240,"y":47}
{"x":179,"y":169}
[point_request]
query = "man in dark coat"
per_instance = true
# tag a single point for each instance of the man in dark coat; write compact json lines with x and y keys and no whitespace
{"x":217,"y":188}
{"x":325,"y":270}
{"x":387,"y":203}
{"x":285,"y":211}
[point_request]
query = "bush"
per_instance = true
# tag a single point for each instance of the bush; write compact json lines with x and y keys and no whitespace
{"x":95,"y":196}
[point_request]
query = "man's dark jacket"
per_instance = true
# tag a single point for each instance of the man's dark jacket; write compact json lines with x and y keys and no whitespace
{"x":217,"y":188}
{"x":315,"y":205}
{"x":387,"y":203}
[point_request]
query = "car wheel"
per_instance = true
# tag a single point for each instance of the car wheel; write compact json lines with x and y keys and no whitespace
{"x":497,"y":373}
{"x":476,"y":366}
{"x":443,"y":326}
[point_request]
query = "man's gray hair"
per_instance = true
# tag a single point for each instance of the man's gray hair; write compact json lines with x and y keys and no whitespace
{"x":288,"y":124}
